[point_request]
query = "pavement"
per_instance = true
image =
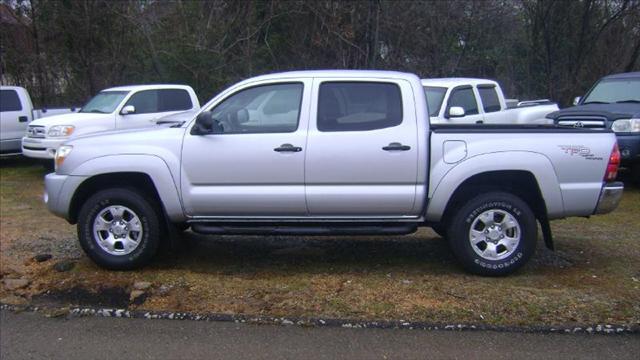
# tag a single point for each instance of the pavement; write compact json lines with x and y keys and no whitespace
{"x":30,"y":335}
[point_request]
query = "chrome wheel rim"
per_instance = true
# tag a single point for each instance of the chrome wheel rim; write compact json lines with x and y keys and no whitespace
{"x":495,"y":234}
{"x":117,"y":230}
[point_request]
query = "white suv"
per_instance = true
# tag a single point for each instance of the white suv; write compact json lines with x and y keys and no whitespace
{"x":115,"y":108}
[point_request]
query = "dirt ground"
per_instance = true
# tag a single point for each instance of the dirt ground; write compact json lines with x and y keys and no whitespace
{"x":592,"y":277}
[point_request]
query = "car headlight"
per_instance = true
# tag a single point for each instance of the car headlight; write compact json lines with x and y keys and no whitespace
{"x":61,"y":154}
{"x":61,"y":130}
{"x":626,"y":125}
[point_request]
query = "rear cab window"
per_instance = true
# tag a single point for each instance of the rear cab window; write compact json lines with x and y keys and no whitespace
{"x":160,"y":100}
{"x":358,"y":106}
{"x":489,"y":98}
{"x":9,"y":101}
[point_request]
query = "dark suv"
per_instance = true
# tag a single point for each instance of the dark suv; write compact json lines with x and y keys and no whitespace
{"x":613,"y":102}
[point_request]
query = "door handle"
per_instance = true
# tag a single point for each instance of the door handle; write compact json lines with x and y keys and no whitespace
{"x":395,"y":146}
{"x":23,"y":119}
{"x":288,"y":148}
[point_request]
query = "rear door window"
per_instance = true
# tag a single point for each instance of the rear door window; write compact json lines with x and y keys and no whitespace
{"x":464,"y":97}
{"x":489,"y":97}
{"x":9,"y":101}
{"x":358,"y":106}
{"x":174,"y":100}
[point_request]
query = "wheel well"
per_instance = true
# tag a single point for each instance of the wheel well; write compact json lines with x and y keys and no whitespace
{"x":138,"y":181}
{"x":520,"y":183}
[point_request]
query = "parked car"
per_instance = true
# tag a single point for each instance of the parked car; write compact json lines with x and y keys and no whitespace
{"x":612,"y":103}
{"x":329,"y":153}
{"x":480,"y":101}
{"x":115,"y":108}
{"x":16,"y":112}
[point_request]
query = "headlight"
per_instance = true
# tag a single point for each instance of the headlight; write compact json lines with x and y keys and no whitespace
{"x":61,"y":154}
{"x":626,"y":125}
{"x":61,"y":130}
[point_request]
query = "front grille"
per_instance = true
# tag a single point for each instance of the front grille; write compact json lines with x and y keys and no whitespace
{"x":35,"y":131}
{"x":589,"y":122}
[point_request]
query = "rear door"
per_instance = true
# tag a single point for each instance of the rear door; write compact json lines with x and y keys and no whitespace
{"x":14,"y":117}
{"x":362,"y":151}
{"x":490,"y":102}
{"x":152,"y":104}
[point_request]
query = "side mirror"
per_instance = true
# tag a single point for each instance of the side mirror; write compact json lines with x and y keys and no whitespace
{"x":456,"y":111}
{"x":206,"y":124}
{"x":576,"y":100}
{"x":129,"y":109}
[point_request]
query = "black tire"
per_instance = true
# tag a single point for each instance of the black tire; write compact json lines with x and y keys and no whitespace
{"x":440,"y":229}
{"x":635,"y":174}
{"x":150,"y":221}
{"x":470,"y":214}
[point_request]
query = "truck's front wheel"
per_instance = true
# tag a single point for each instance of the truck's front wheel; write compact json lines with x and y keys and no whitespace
{"x":119,"y":229}
{"x":493,"y":234}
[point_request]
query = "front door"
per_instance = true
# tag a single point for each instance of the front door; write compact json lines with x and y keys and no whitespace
{"x":362,"y":150}
{"x":464,"y":97}
{"x":255,"y":168}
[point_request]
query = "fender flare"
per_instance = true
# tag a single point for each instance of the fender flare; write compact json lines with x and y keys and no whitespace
{"x":153,"y":166}
{"x":535,"y":163}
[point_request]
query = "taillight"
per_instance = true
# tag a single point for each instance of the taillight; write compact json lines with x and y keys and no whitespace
{"x":614,"y":162}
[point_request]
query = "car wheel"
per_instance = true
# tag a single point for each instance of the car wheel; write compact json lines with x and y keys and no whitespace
{"x":440,"y":229}
{"x":119,"y":229}
{"x":635,"y":174}
{"x":493,"y":234}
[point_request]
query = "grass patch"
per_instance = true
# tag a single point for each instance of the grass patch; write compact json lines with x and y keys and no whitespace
{"x":593,"y":277}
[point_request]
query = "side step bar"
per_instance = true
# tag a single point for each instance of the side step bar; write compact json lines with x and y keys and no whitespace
{"x":300,"y":229}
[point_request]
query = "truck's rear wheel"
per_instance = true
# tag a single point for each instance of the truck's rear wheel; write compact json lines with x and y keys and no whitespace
{"x":119,"y":229}
{"x":493,"y":234}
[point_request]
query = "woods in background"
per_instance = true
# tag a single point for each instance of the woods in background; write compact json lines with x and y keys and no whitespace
{"x":64,"y":51}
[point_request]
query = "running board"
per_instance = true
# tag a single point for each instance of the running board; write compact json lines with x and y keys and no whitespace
{"x":299,"y":229}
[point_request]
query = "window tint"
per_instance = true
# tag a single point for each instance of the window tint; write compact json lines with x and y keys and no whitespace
{"x":358,"y":106}
{"x":261,"y":109}
{"x":489,"y":97}
{"x":9,"y":101}
{"x":174,"y":100}
{"x":464,"y":98}
{"x":145,"y":101}
{"x":435,"y":95}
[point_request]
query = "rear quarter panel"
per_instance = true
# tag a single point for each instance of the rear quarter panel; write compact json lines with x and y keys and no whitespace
{"x":568,"y":166}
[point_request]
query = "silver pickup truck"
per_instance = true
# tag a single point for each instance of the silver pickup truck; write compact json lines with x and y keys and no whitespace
{"x":331,"y":153}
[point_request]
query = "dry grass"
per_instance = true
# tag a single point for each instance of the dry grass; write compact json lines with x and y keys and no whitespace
{"x":593,"y":277}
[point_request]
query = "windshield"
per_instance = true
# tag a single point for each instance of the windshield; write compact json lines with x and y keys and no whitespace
{"x":105,"y":102}
{"x":435,"y":95}
{"x":614,"y":91}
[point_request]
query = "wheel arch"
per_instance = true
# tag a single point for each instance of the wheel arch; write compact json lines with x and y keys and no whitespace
{"x":528,"y":175}
{"x":149,"y":174}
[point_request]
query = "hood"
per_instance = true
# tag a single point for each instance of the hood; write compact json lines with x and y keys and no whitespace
{"x":609,"y":111}
{"x":122,"y":133}
{"x":69,"y":119}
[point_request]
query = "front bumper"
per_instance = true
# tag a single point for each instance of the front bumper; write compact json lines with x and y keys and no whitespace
{"x":629,"y":145}
{"x":40,"y":148}
{"x":610,"y":196}
{"x":58,"y":193}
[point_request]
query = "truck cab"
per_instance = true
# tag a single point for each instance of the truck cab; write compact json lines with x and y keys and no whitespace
{"x":480,"y":101}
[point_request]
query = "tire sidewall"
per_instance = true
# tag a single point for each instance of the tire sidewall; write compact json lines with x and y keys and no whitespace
{"x":146,"y":214}
{"x":463,"y":220}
